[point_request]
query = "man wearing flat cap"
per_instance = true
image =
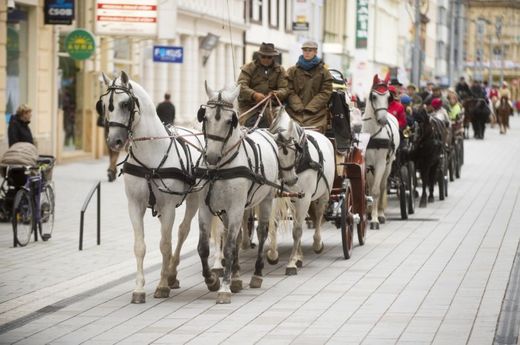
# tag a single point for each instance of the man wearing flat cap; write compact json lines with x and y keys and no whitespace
{"x":310,"y":86}
{"x":258,"y":79}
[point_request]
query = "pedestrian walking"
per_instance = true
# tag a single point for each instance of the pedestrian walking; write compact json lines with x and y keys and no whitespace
{"x":310,"y":86}
{"x":166,"y":110}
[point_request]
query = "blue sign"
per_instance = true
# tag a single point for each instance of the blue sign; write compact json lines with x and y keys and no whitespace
{"x":170,"y":54}
{"x":59,"y":12}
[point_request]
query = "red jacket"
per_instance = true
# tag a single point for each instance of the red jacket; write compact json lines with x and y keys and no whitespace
{"x":397,"y":109}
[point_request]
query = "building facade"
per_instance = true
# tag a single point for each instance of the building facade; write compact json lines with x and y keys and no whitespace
{"x":492,"y":44}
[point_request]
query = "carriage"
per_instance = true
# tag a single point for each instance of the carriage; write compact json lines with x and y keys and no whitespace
{"x":348,"y":199}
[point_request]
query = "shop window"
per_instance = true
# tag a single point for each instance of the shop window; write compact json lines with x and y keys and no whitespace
{"x":17,"y":56}
{"x":67,"y":102}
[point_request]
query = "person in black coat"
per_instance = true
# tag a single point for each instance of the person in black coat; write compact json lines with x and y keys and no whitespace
{"x":19,"y":130}
{"x":166,"y":110}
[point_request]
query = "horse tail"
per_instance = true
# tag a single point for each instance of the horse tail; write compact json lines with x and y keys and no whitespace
{"x":280,"y":211}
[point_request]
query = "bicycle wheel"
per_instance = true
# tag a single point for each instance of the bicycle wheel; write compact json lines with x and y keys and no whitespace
{"x":22,"y":217}
{"x":47,"y":203}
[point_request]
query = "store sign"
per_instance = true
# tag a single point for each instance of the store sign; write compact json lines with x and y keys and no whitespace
{"x":60,"y":12}
{"x":131,"y":17}
{"x":170,"y":54}
{"x":80,"y":44}
{"x":361,"y":24}
{"x":301,"y":15}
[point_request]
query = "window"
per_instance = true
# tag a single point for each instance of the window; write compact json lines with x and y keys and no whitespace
{"x":255,"y":10}
{"x":273,"y":13}
{"x":17,"y":47}
{"x":288,"y":15}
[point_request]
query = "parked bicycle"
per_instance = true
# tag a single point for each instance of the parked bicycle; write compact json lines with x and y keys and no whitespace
{"x":33,"y":203}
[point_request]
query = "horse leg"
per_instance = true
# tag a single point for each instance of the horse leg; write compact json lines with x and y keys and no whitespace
{"x":376,"y":193}
{"x":301,"y":207}
{"x":432,"y":178}
{"x":205,"y":217}
{"x":218,"y":233}
{"x":321,"y":204}
{"x":383,"y":198}
{"x":261,"y":232}
{"x":246,"y":235}
{"x":236,"y":282}
{"x":167,"y":218}
{"x":136,"y":212}
{"x":272,"y":252}
{"x":232,"y":223}
{"x":192,"y":205}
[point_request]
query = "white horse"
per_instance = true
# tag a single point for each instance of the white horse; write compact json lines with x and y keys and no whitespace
{"x":312,"y":158}
{"x":384,"y":141}
{"x":158,"y":173}
{"x":240,"y":173}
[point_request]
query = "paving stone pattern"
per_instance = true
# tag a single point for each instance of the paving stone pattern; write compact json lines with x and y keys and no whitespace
{"x":438,"y":278}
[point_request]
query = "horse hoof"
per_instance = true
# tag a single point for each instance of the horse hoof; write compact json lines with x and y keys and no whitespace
{"x":138,"y":297}
{"x":173,"y":283}
{"x":213,"y":283}
{"x":224,"y":298}
{"x":381,"y":219}
{"x":431,"y":199}
{"x":374,"y":226}
{"x":291,"y":271}
{"x":236,"y":285}
{"x":318,"y":250}
{"x":422,"y":204}
{"x":299,"y":263}
{"x":218,"y":271}
{"x":256,"y":282}
{"x":270,"y":260}
{"x":162,"y":292}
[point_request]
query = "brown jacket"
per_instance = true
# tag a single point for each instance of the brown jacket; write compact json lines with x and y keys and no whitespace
{"x":257,"y":78}
{"x":309,"y":95}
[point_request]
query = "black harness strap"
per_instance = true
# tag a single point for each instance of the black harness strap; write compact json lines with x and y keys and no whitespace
{"x":306,"y":162}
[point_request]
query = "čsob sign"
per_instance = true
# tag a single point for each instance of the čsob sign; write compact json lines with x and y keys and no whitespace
{"x":59,"y":12}
{"x":170,"y":54}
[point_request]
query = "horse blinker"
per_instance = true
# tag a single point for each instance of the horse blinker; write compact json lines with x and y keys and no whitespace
{"x":201,"y":114}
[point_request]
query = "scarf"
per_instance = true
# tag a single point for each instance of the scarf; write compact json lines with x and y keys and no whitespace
{"x":308,"y":65}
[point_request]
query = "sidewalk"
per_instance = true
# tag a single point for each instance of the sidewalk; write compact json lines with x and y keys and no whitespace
{"x":438,"y":278}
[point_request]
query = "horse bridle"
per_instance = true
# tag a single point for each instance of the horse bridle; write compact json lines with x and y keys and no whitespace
{"x":290,"y":144}
{"x":220,"y":105}
{"x":374,"y":89}
{"x":130,"y":105}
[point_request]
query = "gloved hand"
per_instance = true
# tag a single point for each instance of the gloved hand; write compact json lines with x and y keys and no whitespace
{"x":258,"y":97}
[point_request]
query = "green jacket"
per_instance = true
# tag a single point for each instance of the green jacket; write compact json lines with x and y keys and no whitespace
{"x":257,"y":78}
{"x":309,"y":95}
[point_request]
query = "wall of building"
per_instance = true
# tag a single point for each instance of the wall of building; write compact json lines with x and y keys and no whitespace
{"x":39,"y":76}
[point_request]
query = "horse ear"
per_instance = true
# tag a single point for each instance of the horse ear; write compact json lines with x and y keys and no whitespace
{"x":235,"y":92}
{"x":124,"y":78}
{"x":376,"y":80}
{"x":106,"y":79}
{"x":387,"y":78}
{"x":209,"y":91}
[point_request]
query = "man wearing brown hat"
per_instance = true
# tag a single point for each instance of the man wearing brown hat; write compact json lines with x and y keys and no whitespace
{"x":310,"y":85}
{"x":258,"y":79}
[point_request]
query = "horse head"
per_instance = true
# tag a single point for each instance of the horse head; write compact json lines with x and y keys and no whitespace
{"x":289,"y":137}
{"x":379,"y":99}
{"x":219,"y":120}
{"x":120,"y":108}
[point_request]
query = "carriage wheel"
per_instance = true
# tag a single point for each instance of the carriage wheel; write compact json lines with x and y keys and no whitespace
{"x":452,"y":164}
{"x":440,"y":179}
{"x":22,"y":218}
{"x":403,"y":178}
{"x":458,"y":155}
{"x":361,"y":227}
{"x":347,"y":229}
{"x":411,"y":185}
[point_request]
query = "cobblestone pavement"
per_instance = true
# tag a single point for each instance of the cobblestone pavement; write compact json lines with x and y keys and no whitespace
{"x":438,"y":278}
